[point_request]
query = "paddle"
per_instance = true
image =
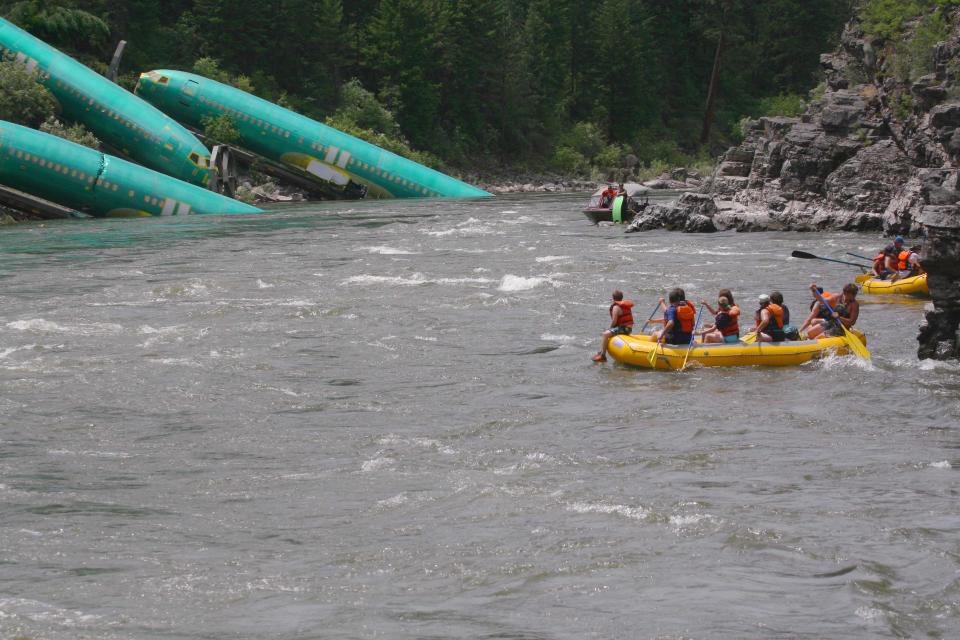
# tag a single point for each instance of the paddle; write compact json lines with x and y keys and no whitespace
{"x":861,"y":257}
{"x":749,"y":338}
{"x":857,"y":347}
{"x":653,"y":313}
{"x":810,"y":256}
{"x":653,"y":354}
{"x":693,"y":334}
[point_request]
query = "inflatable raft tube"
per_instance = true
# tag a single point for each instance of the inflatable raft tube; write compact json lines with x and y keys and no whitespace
{"x":912,"y":286}
{"x":636,"y":351}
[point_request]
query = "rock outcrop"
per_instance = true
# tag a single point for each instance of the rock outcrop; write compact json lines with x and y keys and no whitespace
{"x":875,"y":153}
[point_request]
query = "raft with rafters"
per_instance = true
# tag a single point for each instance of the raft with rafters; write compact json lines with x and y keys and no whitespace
{"x":912,"y":286}
{"x":636,"y":350}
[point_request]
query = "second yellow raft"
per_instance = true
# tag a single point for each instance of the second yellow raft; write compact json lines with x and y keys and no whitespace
{"x":914,"y":285}
{"x":636,"y":350}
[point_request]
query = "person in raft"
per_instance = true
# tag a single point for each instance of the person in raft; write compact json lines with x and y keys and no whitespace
{"x":885,"y":262}
{"x":822,"y":323}
{"x":768,"y":321}
{"x":678,"y":319}
{"x":908,"y":263}
{"x":725,"y":327}
{"x":790,"y":331}
{"x":621,"y":323}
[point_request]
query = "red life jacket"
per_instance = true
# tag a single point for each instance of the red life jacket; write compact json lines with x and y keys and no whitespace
{"x":626,"y":315}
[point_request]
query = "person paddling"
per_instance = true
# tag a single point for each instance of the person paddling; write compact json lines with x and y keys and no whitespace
{"x":768,"y":321}
{"x":846,"y":311}
{"x":725,"y":327}
{"x":621,"y":323}
{"x":885,"y":263}
{"x":678,"y":319}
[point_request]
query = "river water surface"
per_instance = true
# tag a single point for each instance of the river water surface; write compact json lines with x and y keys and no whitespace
{"x":380,"y":420}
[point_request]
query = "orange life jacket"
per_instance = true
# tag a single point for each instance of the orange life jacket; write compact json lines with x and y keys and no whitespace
{"x":903,"y":260}
{"x":626,"y":315}
{"x":733,"y":326}
{"x":776,"y":315}
{"x":686,"y":316}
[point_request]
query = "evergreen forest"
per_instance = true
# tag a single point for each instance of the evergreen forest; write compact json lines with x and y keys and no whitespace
{"x":565,"y":86}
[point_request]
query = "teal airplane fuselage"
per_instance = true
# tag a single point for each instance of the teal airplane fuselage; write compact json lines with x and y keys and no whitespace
{"x":284,"y":136}
{"x":96,"y":183}
{"x":116,"y":116}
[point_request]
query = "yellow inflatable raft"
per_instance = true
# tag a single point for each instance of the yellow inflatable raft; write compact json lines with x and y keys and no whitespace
{"x":915,"y":285}
{"x":636,"y":351}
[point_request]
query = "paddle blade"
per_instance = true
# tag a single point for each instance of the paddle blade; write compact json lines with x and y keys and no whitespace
{"x":858,"y":348}
{"x":749,"y":338}
{"x":804,"y":255}
{"x":653,"y":356}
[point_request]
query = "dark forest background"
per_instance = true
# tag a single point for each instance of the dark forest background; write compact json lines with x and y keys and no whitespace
{"x":540,"y":85}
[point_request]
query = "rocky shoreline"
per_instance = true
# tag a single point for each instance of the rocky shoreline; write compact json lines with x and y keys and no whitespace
{"x":873,"y":154}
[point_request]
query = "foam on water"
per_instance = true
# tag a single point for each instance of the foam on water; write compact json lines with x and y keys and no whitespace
{"x":387,"y":251}
{"x":415,"y":280}
{"x":39,"y":325}
{"x":511,"y":282}
{"x":634,"y":513}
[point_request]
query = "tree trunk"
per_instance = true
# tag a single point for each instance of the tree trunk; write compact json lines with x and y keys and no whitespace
{"x":712,"y":91}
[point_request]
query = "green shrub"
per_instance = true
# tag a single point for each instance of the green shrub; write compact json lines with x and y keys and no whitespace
{"x":785,"y":104}
{"x":569,"y":161}
{"x":360,"y":109}
{"x":22,"y":99}
{"x":933,"y":28}
{"x":903,"y":107}
{"x":210,"y":68}
{"x":74,"y":133}
{"x":585,"y":138}
{"x":885,"y":19}
{"x":221,"y":129}
{"x":609,"y":157}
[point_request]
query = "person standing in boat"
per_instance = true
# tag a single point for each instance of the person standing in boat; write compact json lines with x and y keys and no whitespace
{"x":606,"y":198}
{"x":822,"y":323}
{"x":621,"y":323}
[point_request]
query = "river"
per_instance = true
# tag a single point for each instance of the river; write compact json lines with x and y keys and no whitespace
{"x":381,"y":420}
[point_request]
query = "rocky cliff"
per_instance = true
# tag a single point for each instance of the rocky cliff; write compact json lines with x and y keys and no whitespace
{"x":878,"y":151}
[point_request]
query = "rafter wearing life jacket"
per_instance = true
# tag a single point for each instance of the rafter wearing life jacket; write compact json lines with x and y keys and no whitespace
{"x":774,"y":328}
{"x":626,"y":313}
{"x":727,"y":321}
{"x":684,"y":315}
